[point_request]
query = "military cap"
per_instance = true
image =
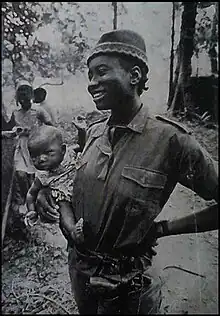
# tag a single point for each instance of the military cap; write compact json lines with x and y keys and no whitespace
{"x":124,"y":42}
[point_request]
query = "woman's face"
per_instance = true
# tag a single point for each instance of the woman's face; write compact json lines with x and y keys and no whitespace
{"x":109,"y":83}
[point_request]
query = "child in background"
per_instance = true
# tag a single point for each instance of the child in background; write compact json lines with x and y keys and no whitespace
{"x":56,"y":166}
{"x":40,"y":95}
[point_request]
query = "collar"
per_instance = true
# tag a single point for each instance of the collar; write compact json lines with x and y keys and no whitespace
{"x":139,"y":121}
{"x":136,"y":125}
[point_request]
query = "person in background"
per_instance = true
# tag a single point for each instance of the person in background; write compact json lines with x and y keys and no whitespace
{"x":40,"y":95}
{"x":24,"y":122}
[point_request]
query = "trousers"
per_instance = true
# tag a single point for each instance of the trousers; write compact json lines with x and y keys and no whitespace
{"x":144,"y":300}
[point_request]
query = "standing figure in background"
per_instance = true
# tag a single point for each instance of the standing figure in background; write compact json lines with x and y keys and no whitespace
{"x":24,"y":121}
{"x":40,"y":95}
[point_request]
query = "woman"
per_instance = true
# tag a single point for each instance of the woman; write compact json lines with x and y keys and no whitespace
{"x":130,"y":165}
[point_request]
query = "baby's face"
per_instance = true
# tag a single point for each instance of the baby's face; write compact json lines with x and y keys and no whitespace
{"x":47,"y":156}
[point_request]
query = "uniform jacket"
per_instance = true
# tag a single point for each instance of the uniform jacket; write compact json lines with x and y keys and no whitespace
{"x":120,"y":190}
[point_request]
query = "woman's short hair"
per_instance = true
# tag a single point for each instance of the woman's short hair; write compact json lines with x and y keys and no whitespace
{"x":128,"y":62}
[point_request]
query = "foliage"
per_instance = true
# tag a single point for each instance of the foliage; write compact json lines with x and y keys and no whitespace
{"x":199,"y":33}
{"x":203,"y":33}
{"x":24,"y":44}
{"x":18,"y":26}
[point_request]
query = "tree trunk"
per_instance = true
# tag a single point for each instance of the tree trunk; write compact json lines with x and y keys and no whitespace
{"x":213,"y":43}
{"x":171,"y":57}
{"x":185,"y":53}
{"x":114,"y":4}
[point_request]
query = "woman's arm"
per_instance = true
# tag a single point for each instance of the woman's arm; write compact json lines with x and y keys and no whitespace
{"x":199,"y":222}
{"x":199,"y":172}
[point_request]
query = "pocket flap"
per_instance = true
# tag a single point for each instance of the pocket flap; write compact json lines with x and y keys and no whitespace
{"x":144,"y":177}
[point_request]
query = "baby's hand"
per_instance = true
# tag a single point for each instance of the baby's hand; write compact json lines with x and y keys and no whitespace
{"x":78,"y":231}
{"x":31,"y":218}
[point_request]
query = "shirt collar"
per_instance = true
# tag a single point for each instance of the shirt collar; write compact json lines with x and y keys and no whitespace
{"x":138,"y":122}
{"x":136,"y":125}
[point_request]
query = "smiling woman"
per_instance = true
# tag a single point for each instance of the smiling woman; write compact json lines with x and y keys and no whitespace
{"x":128,"y":169}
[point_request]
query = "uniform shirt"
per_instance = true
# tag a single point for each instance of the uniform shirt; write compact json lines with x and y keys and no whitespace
{"x":120,"y":190}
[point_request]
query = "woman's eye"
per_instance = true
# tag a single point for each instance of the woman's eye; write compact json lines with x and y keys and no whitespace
{"x":102,"y":71}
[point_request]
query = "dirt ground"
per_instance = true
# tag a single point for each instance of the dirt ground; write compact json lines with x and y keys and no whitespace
{"x":35,"y":273}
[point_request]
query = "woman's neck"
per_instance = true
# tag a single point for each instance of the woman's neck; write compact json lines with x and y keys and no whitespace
{"x":124,"y":114}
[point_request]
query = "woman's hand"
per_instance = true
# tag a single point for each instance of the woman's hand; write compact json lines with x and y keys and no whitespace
{"x":46,"y":207}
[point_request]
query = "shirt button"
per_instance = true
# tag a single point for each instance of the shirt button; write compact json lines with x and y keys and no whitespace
{"x":143,"y":179}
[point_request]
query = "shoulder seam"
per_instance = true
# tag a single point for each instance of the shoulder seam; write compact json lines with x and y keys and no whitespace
{"x":174,"y":123}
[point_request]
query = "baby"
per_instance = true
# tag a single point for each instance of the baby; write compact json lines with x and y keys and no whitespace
{"x":55,"y":166}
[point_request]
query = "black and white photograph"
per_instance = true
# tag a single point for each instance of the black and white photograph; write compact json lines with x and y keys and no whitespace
{"x":109,"y":175}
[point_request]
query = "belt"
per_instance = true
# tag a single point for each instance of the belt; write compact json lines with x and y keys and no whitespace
{"x":109,"y":264}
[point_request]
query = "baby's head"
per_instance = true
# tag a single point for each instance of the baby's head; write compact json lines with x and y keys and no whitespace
{"x":46,"y":147}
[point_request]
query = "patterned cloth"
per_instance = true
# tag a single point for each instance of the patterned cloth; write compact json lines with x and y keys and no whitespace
{"x":60,"y":180}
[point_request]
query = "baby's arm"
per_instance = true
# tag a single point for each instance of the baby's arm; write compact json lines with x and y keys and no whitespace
{"x":71,"y":229}
{"x":32,"y":194}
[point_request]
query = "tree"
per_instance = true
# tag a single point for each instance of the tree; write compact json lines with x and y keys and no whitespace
{"x":185,"y":49}
{"x":30,"y":52}
{"x":171,"y":56}
{"x":115,"y":8}
{"x":18,"y":25}
{"x":206,"y":36}
{"x":214,"y":41}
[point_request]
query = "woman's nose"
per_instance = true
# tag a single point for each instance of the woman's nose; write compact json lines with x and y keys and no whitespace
{"x":93,"y":82}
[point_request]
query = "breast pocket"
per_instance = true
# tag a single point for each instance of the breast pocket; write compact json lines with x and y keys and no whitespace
{"x":140,"y":190}
{"x":142,"y":183}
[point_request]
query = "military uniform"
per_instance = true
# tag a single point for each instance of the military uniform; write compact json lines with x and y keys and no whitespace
{"x":122,"y":184}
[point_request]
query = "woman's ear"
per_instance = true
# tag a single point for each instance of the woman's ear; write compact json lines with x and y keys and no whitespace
{"x":135,"y":75}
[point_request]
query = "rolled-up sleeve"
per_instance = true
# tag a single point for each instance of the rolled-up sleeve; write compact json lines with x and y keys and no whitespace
{"x":195,"y":167}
